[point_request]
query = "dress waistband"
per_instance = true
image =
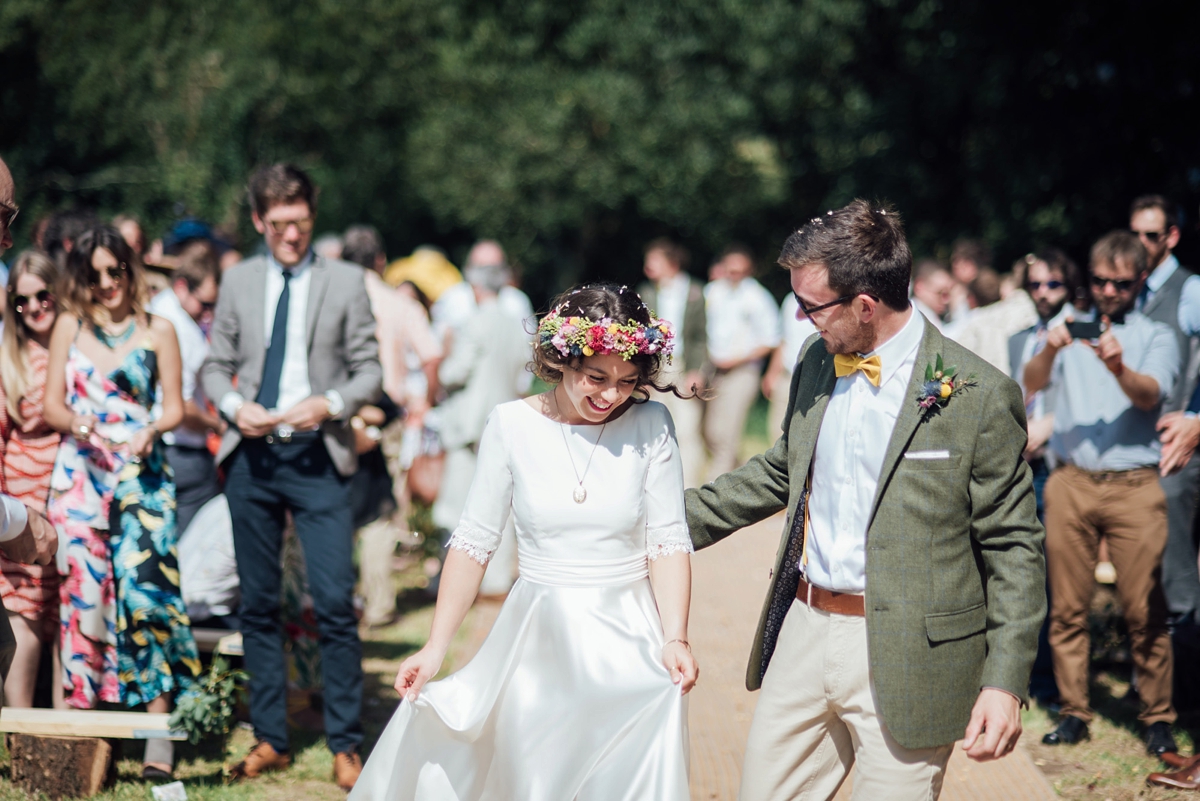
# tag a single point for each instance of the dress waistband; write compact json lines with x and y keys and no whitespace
{"x":581,"y":573}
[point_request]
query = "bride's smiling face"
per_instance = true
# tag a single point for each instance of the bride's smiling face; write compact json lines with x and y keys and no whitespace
{"x":597,"y":388}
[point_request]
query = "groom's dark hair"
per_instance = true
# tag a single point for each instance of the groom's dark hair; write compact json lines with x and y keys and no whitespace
{"x":863,"y":247}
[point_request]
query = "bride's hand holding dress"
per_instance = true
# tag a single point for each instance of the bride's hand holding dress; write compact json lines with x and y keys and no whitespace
{"x":461,"y":577}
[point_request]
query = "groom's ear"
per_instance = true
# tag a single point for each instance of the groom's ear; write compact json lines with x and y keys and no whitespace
{"x":865,"y":307}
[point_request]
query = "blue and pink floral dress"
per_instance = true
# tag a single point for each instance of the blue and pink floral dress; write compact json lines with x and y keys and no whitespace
{"x":126,"y":637}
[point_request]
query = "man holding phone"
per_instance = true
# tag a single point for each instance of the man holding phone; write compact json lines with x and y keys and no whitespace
{"x":1110,"y":388}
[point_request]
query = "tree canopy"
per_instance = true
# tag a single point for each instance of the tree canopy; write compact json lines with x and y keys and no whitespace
{"x":575,"y":132}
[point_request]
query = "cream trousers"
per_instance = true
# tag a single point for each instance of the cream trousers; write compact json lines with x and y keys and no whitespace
{"x":817,"y":718}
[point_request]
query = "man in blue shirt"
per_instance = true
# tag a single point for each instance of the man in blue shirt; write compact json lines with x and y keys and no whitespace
{"x":1110,"y":391}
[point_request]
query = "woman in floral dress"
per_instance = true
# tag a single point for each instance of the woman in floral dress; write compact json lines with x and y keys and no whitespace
{"x":125,"y":633}
{"x":29,"y":446}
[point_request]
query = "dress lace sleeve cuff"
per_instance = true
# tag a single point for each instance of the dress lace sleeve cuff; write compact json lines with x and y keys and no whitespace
{"x":476,"y":543}
{"x":667,"y":540}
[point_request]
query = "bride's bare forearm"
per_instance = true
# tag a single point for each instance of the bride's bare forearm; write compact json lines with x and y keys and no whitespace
{"x":461,"y":576}
{"x":671,"y":578}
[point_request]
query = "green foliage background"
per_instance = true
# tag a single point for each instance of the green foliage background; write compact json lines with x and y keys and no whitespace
{"x":573,"y":132}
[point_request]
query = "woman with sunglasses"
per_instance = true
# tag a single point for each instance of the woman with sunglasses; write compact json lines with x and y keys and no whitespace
{"x":29,"y":446}
{"x":125,"y":635}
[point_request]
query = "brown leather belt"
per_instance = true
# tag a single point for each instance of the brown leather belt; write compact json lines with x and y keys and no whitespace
{"x":837,"y":603}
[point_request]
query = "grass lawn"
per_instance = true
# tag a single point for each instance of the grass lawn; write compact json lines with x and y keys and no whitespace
{"x":310,"y":777}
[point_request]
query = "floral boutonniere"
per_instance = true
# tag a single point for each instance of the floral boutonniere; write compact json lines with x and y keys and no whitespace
{"x":941,"y":384}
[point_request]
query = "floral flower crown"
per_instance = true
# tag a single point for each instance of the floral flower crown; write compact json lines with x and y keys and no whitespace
{"x":582,"y":336}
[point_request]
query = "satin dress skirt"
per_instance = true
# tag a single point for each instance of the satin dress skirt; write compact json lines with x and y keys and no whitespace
{"x":566,"y":699}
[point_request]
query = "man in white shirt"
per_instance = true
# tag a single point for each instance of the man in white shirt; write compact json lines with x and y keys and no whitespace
{"x":296,"y":333}
{"x":931,"y":291}
{"x":743,"y":329}
{"x":678,"y":298}
{"x":907,"y":593}
{"x":796,"y":328}
{"x":188,"y":304}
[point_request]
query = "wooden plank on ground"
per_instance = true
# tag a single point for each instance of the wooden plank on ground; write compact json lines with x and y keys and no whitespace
{"x":88,"y":723}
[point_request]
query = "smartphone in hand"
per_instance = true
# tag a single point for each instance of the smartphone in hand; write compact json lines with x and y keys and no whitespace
{"x":1084,"y":330}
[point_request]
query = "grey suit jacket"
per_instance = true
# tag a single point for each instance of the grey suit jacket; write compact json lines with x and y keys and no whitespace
{"x":484,"y":369}
{"x":343,"y":354}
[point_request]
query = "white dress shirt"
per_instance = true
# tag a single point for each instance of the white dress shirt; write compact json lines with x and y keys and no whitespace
{"x":672,"y":306}
{"x":293,"y":379}
{"x":854,"y":438}
{"x":742,"y":317}
{"x":193,"y":350}
{"x":13,"y":518}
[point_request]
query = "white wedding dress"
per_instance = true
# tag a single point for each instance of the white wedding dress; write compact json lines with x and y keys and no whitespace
{"x":567,"y":698}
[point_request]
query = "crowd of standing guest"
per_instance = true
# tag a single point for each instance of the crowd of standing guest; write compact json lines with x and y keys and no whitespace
{"x":313,"y":389}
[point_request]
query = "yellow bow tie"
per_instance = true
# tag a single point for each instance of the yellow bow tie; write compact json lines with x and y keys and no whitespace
{"x":846,"y":364}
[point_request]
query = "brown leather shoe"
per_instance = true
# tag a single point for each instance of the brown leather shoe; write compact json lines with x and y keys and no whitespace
{"x":1186,"y":779}
{"x":262,"y":758}
{"x":347,"y":765}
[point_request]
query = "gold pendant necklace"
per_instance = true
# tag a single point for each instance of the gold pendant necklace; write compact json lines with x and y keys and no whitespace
{"x":579,"y":494}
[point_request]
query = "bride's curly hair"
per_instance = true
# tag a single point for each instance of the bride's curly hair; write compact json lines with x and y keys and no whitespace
{"x":596,"y":302}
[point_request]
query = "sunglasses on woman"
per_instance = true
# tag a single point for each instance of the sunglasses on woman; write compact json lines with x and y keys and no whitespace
{"x":44,"y":298}
{"x":114,"y":274}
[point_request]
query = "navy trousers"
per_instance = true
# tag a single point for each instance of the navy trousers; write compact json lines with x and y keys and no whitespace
{"x":264,"y":481}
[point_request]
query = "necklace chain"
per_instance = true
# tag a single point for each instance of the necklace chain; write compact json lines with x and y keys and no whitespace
{"x":580,"y":493}
{"x":114,"y":341}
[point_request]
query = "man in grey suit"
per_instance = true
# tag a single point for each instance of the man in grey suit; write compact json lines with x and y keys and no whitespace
{"x":296,"y":332}
{"x":484,"y":368}
{"x":907,"y":589}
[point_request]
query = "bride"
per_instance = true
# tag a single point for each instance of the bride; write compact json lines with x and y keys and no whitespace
{"x":577,"y":693}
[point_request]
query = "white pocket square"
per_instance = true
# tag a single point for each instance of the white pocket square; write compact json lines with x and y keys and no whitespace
{"x":927,"y":455}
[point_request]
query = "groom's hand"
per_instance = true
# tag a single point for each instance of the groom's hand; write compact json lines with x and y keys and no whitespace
{"x":995,"y":725}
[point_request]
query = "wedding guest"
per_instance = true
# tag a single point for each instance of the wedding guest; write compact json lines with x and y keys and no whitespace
{"x":1052,"y":280}
{"x":988,"y":328}
{"x":932,"y":287}
{"x":742,"y":324}
{"x":125,"y":636}
{"x":678,"y":298}
{"x":25,"y":535}
{"x":63,"y":228}
{"x":777,"y":381}
{"x":28,"y":446}
{"x":1109,"y":393}
{"x":484,"y":368}
{"x":295,"y":330}
{"x":403,"y":331}
{"x":1172,"y":296}
{"x":188,"y":305}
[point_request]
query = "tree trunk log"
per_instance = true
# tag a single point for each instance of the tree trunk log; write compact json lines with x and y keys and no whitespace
{"x":61,"y":767}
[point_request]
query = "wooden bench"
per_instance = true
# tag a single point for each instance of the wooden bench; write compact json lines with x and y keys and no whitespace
{"x":66,"y":753}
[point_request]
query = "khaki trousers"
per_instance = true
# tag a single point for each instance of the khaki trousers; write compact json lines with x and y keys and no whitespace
{"x":734,"y":392}
{"x":688,"y":416}
{"x":1130,"y":511}
{"x":778,"y":406}
{"x":817,"y":717}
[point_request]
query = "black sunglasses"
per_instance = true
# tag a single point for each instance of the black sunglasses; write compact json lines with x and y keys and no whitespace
{"x":1153,"y":236}
{"x":44,"y":298}
{"x":1120,"y":286}
{"x":810,"y":311}
{"x":114,"y":274}
{"x":1034,"y":286}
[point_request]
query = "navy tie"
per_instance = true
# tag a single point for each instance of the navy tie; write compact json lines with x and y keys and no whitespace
{"x":268,"y":391}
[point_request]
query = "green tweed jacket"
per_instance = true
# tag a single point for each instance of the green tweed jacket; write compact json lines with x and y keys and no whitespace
{"x":955,"y":590}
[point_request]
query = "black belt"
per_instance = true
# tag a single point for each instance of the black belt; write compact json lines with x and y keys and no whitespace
{"x":287,"y":436}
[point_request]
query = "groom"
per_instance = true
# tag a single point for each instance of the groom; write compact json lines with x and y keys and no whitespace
{"x":908,"y":587}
